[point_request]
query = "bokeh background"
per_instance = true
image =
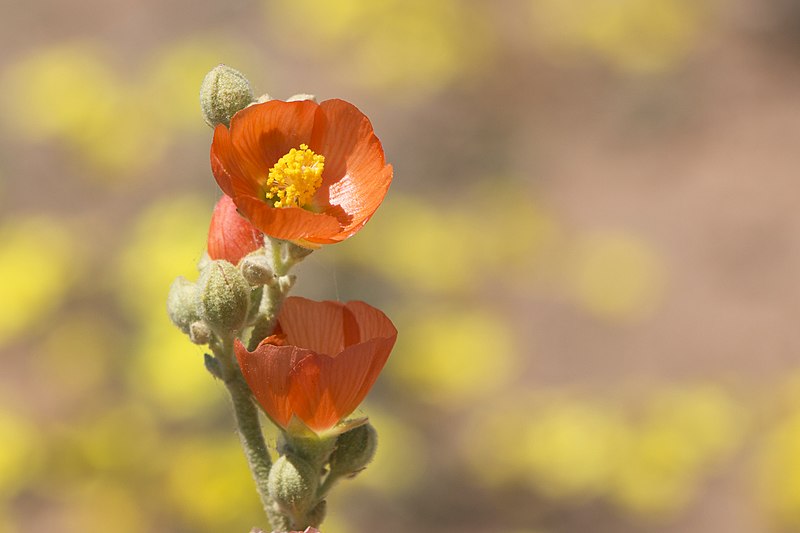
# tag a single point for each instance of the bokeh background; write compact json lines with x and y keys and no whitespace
{"x":591,"y":250}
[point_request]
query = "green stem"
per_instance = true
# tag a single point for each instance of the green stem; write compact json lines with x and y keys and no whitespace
{"x":249,"y":429}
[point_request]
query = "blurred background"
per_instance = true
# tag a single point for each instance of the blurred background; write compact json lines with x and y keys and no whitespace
{"x":590,"y":248}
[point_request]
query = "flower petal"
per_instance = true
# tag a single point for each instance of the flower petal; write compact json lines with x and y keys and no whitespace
{"x":323,"y":327}
{"x":372,"y":322}
{"x":267,"y":372}
{"x":289,"y":223}
{"x":261,"y":134}
{"x":230,"y":236}
{"x":356,"y":176}
{"x":323,"y":390}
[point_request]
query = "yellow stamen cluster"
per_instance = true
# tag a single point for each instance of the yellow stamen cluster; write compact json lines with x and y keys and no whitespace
{"x":295,"y":178}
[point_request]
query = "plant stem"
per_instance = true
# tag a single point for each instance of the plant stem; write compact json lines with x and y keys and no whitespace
{"x":249,"y":429}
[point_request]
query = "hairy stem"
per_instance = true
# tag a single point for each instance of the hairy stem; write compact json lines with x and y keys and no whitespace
{"x":249,"y":429}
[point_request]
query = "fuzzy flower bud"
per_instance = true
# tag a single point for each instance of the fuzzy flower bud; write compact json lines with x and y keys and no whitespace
{"x":224,"y":91}
{"x":182,"y":303}
{"x":199,"y":333}
{"x":293,"y":484}
{"x":257,"y":271}
{"x":354,"y":450}
{"x":224,"y":298}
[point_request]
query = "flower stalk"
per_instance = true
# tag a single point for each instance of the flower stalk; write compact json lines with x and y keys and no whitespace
{"x":306,"y":364}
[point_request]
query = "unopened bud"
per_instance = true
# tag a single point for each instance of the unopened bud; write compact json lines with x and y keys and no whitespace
{"x":354,"y":450}
{"x":224,"y":91}
{"x":257,"y":270}
{"x":182,"y":303}
{"x":293,"y":484}
{"x":199,"y":333}
{"x":224,"y":298}
{"x":301,"y":98}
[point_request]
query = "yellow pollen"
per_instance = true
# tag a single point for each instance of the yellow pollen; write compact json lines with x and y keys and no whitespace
{"x":295,"y":178}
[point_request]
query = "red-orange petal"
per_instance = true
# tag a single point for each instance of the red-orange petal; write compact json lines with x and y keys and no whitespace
{"x":230,"y":236}
{"x":289,"y":223}
{"x":323,"y":390}
{"x":267,"y":372}
{"x":356,"y":177}
{"x":319,"y":389}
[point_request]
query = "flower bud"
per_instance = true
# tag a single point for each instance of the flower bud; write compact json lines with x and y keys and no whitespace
{"x":199,"y":333}
{"x":354,"y":450}
{"x":292,"y":484}
{"x":224,"y":91}
{"x":257,"y":271}
{"x":224,"y":298}
{"x":182,"y":303}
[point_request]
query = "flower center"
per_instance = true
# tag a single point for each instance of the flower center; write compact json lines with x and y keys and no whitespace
{"x":295,"y":178}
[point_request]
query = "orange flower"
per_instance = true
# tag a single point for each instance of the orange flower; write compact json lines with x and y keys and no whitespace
{"x":230,"y":236}
{"x":320,"y":363}
{"x":301,"y":171}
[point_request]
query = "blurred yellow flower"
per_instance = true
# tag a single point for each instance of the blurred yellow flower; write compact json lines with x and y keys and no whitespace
{"x":38,"y":262}
{"x":614,"y":275}
{"x":453,"y":356}
{"x":209,"y":486}
{"x":778,"y":465}
{"x":411,"y":45}
{"x":418,"y":245}
{"x":573,"y":448}
{"x":71,"y":93}
{"x":686,"y":432}
{"x":632,"y":35}
{"x":20,"y":453}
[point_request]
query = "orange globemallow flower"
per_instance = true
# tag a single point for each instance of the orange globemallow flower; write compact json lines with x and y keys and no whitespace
{"x":301,"y":171}
{"x":230,"y":236}
{"x":320,"y":363}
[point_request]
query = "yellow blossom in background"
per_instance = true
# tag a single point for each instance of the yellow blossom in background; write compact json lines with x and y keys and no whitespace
{"x":572,"y":448}
{"x":453,"y":356}
{"x":70,"y":93}
{"x":20,"y":453}
{"x":685,"y":433}
{"x":563,"y":447}
{"x":638,"y":36}
{"x":100,"y":444}
{"x":209,"y":486}
{"x":777,"y":466}
{"x":413,"y":244}
{"x":614,"y":275}
{"x":116,"y":123}
{"x":650,"y":463}
{"x":408,"y":45}
{"x":432,"y":247}
{"x":38,"y":262}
